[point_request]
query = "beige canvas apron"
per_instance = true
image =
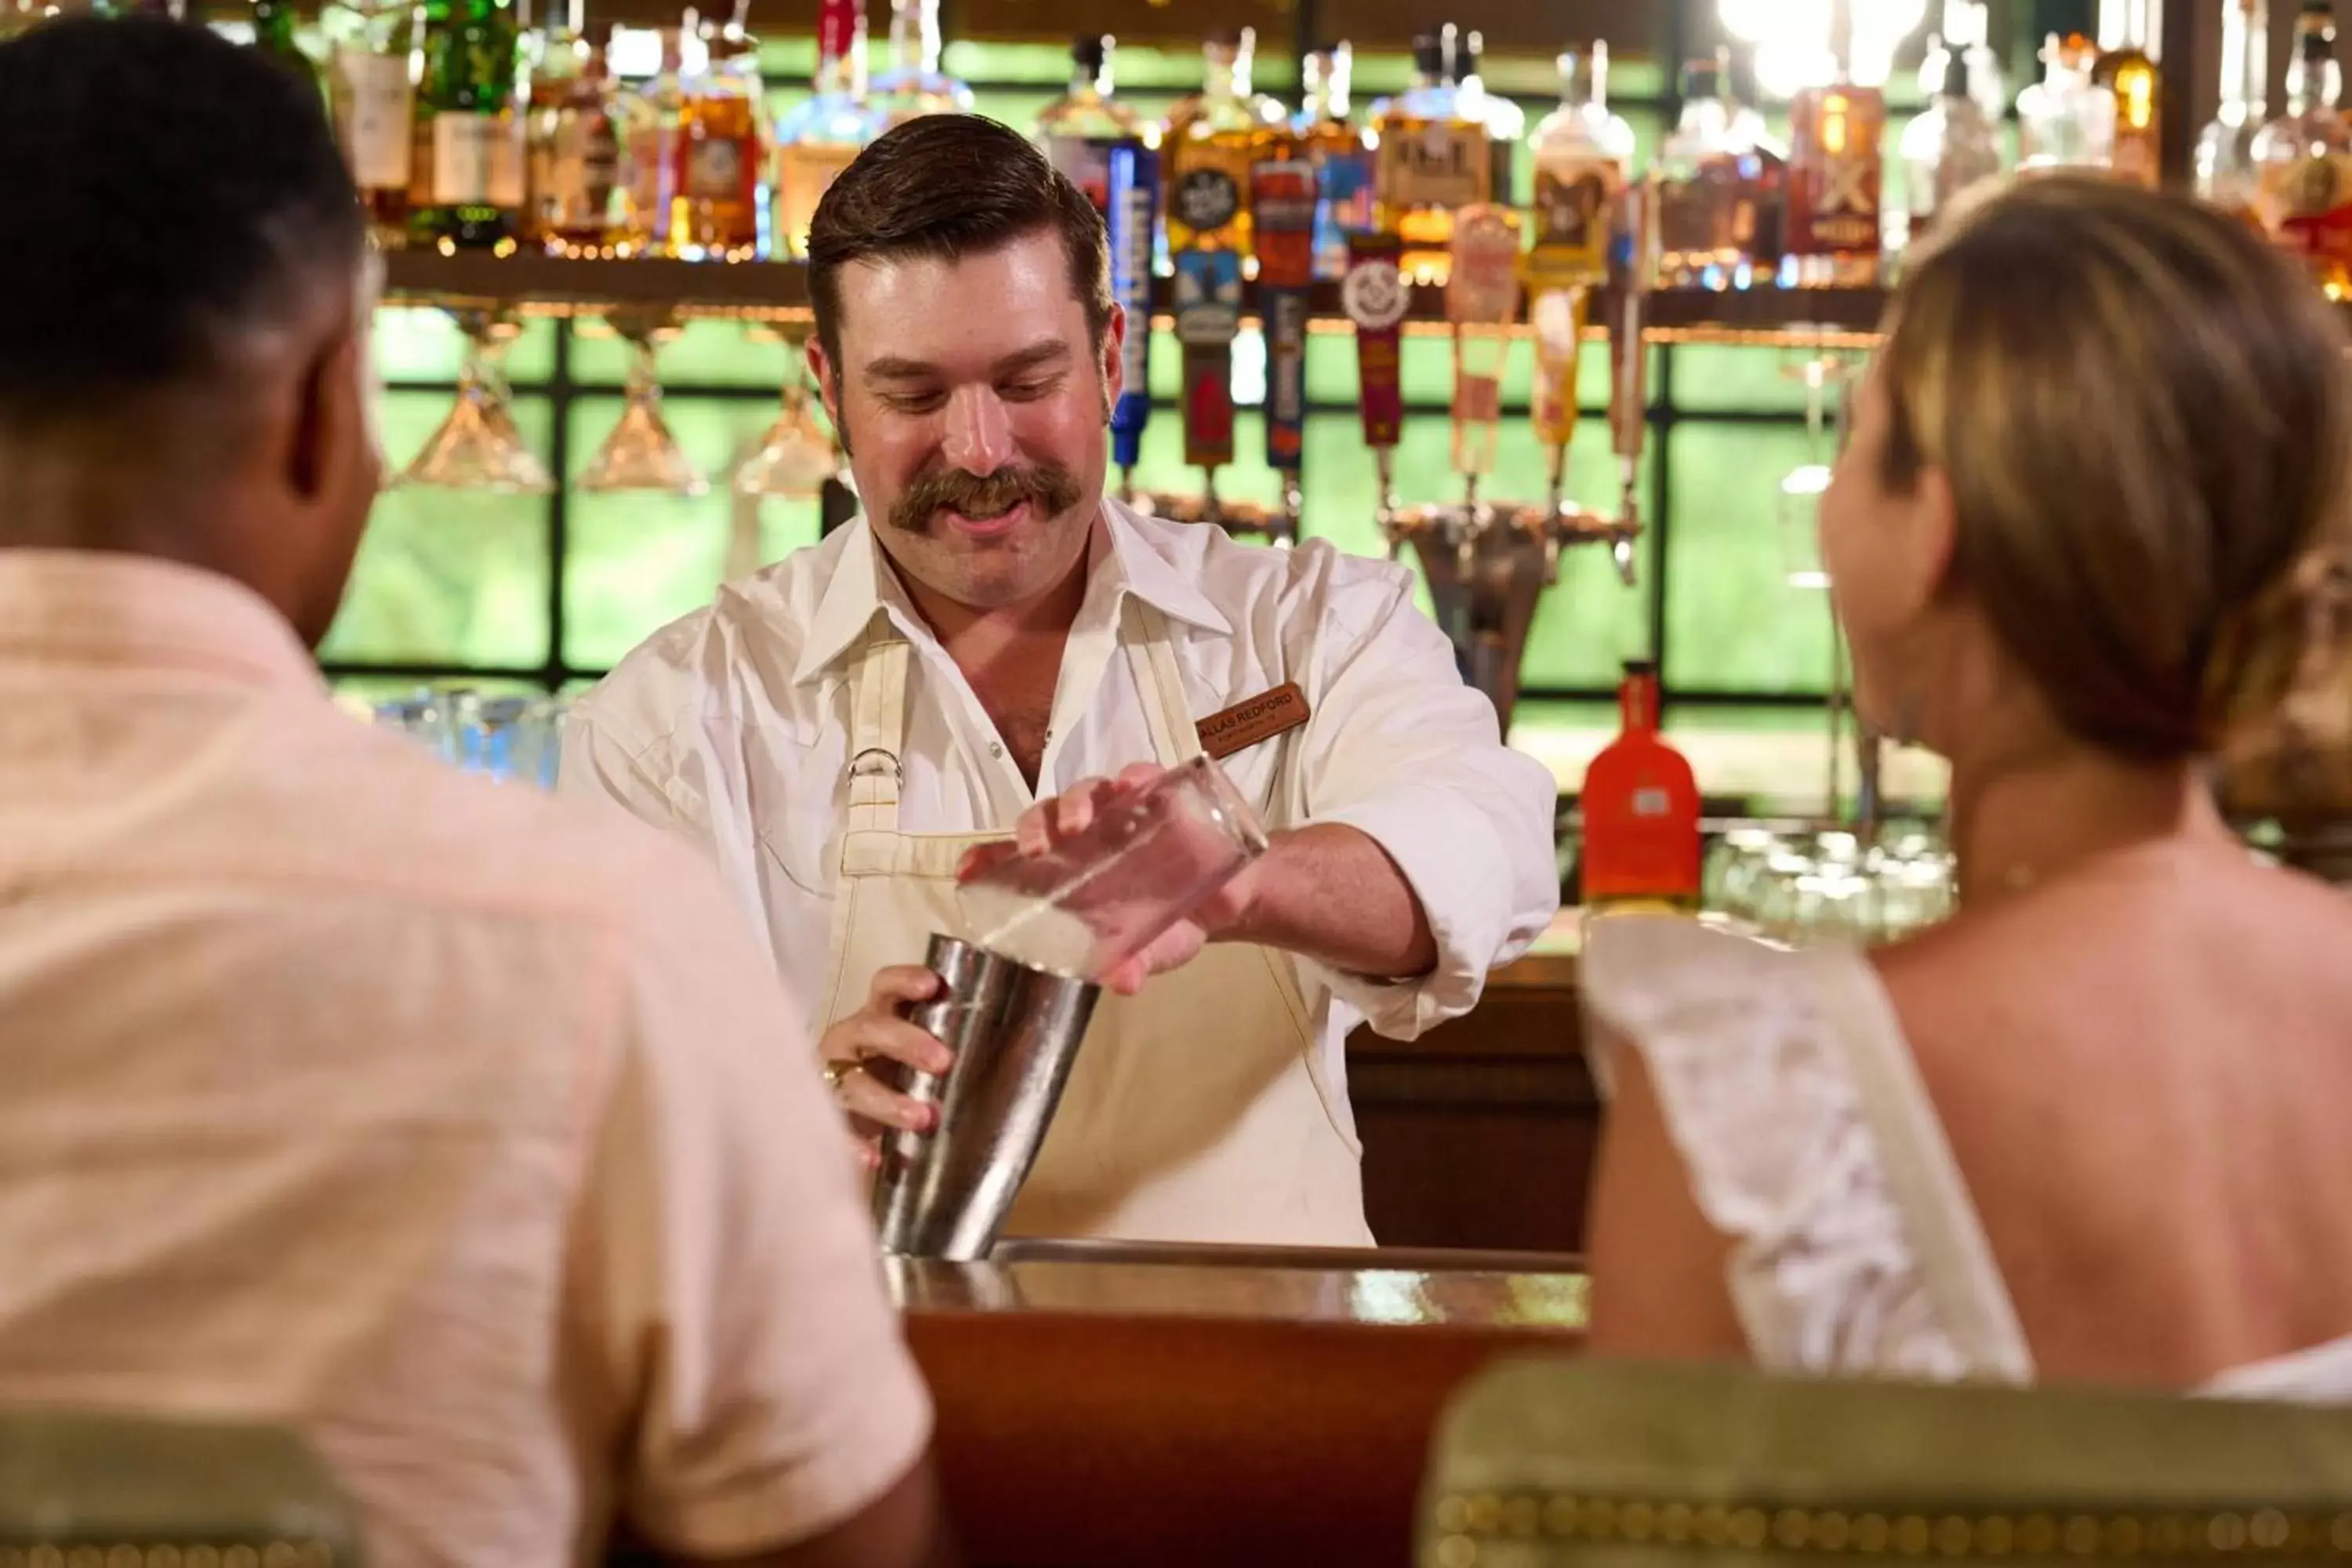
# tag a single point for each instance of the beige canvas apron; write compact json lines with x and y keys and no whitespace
{"x":1197,"y":1110}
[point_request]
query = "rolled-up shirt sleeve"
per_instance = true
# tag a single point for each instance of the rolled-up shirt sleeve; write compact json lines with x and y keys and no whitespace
{"x":1399,"y":748}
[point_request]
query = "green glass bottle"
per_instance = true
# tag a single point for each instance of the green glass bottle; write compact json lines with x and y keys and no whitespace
{"x":274,"y":24}
{"x":471,"y":126}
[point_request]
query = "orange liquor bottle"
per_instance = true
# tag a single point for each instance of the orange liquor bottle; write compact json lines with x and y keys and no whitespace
{"x":1641,"y":813}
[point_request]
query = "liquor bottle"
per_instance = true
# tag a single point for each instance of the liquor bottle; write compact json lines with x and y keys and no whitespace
{"x":1583,"y":155}
{"x":912,"y":84}
{"x":1641,"y":808}
{"x":1699,"y":181}
{"x":2125,"y":71}
{"x":2304,"y":158}
{"x":1077,"y":130}
{"x":1952,"y":146}
{"x":824,"y":135}
{"x":474,"y":120}
{"x":274,"y":24}
{"x":1505,"y":123}
{"x":721,"y":205}
{"x":2065,"y":121}
{"x":1341,"y":152}
{"x":1434,"y":162}
{"x":1835,"y":174}
{"x":1209,"y":155}
{"x":2226,"y":175}
{"x":648,"y":120}
{"x":1966,"y":30}
{"x":575,"y":146}
{"x":372,"y":88}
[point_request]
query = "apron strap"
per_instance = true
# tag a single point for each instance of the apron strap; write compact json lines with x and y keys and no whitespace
{"x":1167,"y":709}
{"x":877,"y":687}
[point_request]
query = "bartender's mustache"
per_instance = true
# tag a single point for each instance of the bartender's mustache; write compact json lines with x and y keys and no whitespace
{"x":1050,"y":489}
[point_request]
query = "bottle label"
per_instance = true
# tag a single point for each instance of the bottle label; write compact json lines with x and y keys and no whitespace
{"x":573,"y":168}
{"x":2307,"y":204}
{"x":715,"y":167}
{"x":1836,"y":177}
{"x":507,"y":162}
{"x":805,"y":170}
{"x":1434,"y":166}
{"x":1574,"y":214}
{"x":375,"y":100}
{"x":1205,"y":200}
{"x":2136,"y":155}
{"x":464,"y":147}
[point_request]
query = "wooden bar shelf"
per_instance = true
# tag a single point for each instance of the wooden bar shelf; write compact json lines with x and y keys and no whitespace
{"x":533,"y":284}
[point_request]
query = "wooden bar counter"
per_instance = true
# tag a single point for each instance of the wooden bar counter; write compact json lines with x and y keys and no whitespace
{"x":1103,"y":1403}
{"x":1482,"y":1133}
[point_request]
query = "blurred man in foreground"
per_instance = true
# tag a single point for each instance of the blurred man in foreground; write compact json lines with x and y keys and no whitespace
{"x":336,"y":1088}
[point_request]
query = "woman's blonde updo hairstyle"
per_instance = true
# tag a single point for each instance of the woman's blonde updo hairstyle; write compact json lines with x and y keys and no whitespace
{"x":2142,"y":409}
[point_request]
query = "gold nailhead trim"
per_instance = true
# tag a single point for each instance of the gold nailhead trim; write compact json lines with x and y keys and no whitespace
{"x":1462,"y":1520}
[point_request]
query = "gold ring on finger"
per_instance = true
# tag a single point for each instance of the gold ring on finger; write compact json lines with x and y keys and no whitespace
{"x":837,"y":1072}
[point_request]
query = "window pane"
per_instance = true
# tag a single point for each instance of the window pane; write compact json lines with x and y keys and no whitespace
{"x":1734,"y":623}
{"x":639,"y":561}
{"x":449,"y":576}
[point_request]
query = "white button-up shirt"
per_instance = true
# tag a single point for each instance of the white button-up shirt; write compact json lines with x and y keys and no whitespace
{"x":732,"y":728}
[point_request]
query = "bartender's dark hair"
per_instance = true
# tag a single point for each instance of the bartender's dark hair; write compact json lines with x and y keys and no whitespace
{"x":166,"y":189}
{"x":951,"y":185}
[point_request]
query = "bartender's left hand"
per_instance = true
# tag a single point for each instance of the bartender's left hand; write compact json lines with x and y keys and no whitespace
{"x":1050,"y":822}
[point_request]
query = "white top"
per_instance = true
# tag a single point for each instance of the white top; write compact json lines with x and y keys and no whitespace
{"x":438,"y":1119}
{"x":731,"y":728}
{"x":1811,"y":1141}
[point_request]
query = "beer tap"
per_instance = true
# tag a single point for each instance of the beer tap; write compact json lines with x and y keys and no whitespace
{"x":1133,"y":209}
{"x":1375,"y":295}
{"x":1282,"y":204}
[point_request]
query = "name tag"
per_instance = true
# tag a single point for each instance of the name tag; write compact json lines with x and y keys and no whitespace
{"x":1252,"y":720}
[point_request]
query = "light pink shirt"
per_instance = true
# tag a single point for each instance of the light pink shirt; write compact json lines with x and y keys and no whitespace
{"x":460,"y":1127}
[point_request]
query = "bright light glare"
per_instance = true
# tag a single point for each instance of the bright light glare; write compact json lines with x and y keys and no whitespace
{"x":1791,"y":38}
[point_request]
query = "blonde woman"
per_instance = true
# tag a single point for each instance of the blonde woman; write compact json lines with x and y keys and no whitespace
{"x":2095,"y":1127}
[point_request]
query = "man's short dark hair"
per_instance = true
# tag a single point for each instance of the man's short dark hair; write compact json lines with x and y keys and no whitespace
{"x":166,"y":188}
{"x":951,"y":185}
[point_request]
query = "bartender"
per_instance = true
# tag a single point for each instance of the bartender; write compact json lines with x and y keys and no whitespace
{"x":993,"y":645}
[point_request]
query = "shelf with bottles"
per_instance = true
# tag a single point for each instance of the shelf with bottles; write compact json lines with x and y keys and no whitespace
{"x":538,"y":284}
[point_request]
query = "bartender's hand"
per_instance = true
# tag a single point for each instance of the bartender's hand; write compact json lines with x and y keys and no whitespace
{"x":1048,"y":823}
{"x":880,"y":1029}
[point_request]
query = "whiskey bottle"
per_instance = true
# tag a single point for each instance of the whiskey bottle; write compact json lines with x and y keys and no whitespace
{"x":1341,"y":153}
{"x":824,"y":135}
{"x":648,"y":120}
{"x":2304,"y":158}
{"x":1946,"y":151}
{"x":1077,"y":131}
{"x":913,"y":84}
{"x":575,"y":146}
{"x":1641,"y":808}
{"x":1505,"y":123}
{"x":1701,"y":242}
{"x":372,"y":66}
{"x":721,"y":152}
{"x":1835,"y":174}
{"x":474,"y":120}
{"x":2065,"y":120}
{"x":1583,"y":155}
{"x":1434,"y":162}
{"x":2125,"y":71}
{"x":1210,"y":154}
{"x":2226,"y":175}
